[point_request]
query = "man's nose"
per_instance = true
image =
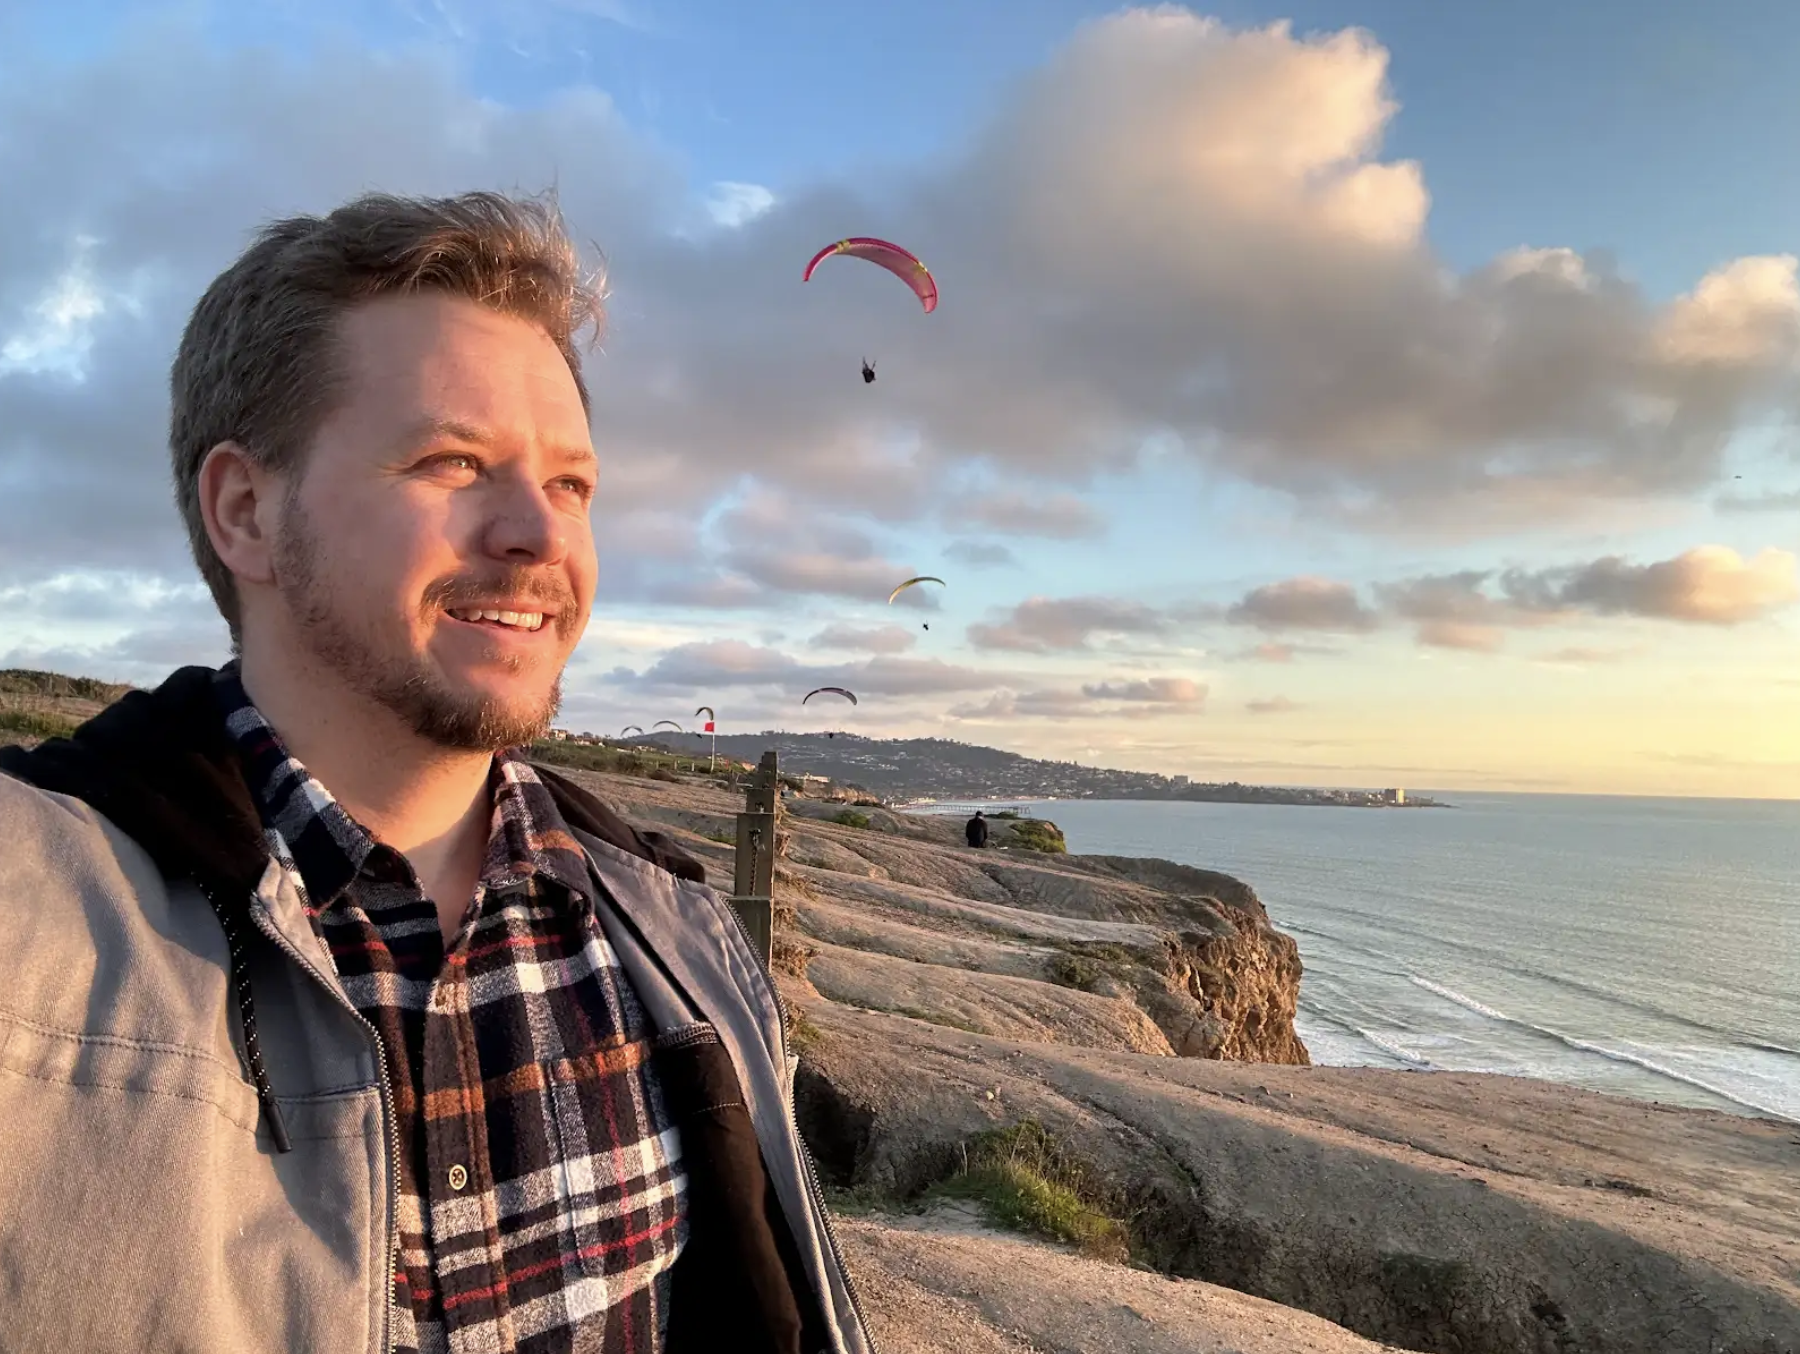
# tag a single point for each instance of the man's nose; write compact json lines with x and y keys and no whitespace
{"x":525,"y":526}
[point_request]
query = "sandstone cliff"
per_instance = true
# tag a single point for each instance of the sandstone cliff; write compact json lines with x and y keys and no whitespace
{"x":1104,"y":952}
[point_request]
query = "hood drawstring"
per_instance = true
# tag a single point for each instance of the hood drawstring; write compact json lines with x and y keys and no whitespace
{"x":240,"y":980}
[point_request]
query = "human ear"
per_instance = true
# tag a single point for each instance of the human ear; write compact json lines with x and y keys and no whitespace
{"x":238,"y":502}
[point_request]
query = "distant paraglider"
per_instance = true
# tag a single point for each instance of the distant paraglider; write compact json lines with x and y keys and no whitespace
{"x":630,"y":729}
{"x":671,"y":723}
{"x":914,"y":582}
{"x":902,"y":263}
{"x":830,"y":690}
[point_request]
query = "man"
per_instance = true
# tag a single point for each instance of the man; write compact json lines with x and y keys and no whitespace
{"x":976,"y":830}
{"x":326,"y":1021}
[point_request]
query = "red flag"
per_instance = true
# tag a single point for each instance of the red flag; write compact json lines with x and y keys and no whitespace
{"x":709,"y":726}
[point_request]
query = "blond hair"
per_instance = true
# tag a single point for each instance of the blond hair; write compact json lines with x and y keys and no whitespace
{"x":258,"y":363}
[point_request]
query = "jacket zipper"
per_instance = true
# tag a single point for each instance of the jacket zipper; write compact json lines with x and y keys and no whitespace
{"x":387,"y":1108}
{"x":815,"y":1191}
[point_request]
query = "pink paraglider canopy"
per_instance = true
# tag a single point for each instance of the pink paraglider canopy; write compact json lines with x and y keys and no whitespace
{"x":900,"y":262}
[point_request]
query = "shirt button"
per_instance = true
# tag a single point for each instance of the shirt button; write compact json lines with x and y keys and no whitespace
{"x":459,"y":1177}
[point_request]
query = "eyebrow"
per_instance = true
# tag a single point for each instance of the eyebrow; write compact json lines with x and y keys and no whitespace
{"x":433,"y":429}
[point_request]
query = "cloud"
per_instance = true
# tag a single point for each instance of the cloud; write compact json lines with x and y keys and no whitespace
{"x":732,"y":205}
{"x":1273,"y":705}
{"x":1452,"y":611}
{"x":714,"y":664}
{"x":1172,"y":229}
{"x":1708,"y":585}
{"x":1136,"y":699}
{"x":1050,"y":624}
{"x":1304,"y":604}
{"x":1061,"y":517}
{"x":1463,"y":635}
{"x":1772,"y":502}
{"x":1579,"y":656}
{"x":1162,"y":690}
{"x":882,"y":639}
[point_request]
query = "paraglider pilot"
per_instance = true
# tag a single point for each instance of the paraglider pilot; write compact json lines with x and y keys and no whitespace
{"x":868,"y":371}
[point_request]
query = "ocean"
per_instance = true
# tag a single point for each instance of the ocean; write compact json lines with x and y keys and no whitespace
{"x":1642,"y":947}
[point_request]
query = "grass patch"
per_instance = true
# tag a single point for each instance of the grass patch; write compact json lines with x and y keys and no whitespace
{"x":857,"y":1201}
{"x":1035,"y":835}
{"x":934,"y":1018}
{"x":850,"y":818}
{"x":35,"y":724}
{"x":803,"y":1036}
{"x":723,"y":836}
{"x":1011,"y":815}
{"x":1025,"y":1182}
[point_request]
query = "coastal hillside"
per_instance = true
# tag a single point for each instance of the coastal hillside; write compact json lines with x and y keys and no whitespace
{"x":908,"y":768}
{"x":995,"y":1039}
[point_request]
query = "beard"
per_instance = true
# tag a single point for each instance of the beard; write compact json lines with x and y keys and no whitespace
{"x":405,"y":683}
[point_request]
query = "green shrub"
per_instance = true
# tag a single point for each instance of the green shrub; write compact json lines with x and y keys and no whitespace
{"x":1035,"y":835}
{"x":850,"y":818}
{"x":1026,"y":1182}
{"x":1007,"y":814}
{"x":1075,"y":970}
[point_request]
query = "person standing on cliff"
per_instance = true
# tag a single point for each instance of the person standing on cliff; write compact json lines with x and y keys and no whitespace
{"x":336,"y":1024}
{"x":976,"y":830}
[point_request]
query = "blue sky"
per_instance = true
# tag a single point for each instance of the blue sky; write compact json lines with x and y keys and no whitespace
{"x":1332,"y":446}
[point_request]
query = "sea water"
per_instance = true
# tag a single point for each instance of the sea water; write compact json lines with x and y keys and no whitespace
{"x":1643,"y":947}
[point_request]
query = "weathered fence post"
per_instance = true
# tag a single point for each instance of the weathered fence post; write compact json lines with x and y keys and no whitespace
{"x":753,"y":880}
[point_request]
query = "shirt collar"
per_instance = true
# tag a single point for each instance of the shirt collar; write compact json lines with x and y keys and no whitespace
{"x":308,"y":830}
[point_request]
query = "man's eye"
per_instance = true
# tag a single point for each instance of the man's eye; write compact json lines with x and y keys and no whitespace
{"x":456,"y":460}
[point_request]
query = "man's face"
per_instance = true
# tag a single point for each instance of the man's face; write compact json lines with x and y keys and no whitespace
{"x":434,"y":549}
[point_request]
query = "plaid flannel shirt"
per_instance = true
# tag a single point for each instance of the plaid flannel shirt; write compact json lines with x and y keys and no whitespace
{"x":541,"y":1191}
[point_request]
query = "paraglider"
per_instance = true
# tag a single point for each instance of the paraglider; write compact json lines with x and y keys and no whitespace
{"x":914,"y":582}
{"x":630,"y":729}
{"x":671,"y":723}
{"x":902,"y":263}
{"x":831,"y":690}
{"x":868,"y":371}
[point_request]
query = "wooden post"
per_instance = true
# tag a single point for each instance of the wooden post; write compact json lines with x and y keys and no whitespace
{"x":753,"y":879}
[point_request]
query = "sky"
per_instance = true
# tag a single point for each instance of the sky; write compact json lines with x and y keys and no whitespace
{"x":1328,"y":393}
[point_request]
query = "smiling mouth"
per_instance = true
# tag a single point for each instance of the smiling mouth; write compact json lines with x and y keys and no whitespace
{"x":506,"y":620}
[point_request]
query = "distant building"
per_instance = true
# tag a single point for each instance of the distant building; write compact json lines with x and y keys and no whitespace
{"x":1394,"y":796}
{"x":1180,"y":780}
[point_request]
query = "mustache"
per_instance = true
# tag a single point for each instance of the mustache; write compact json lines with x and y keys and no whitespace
{"x":517,"y":584}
